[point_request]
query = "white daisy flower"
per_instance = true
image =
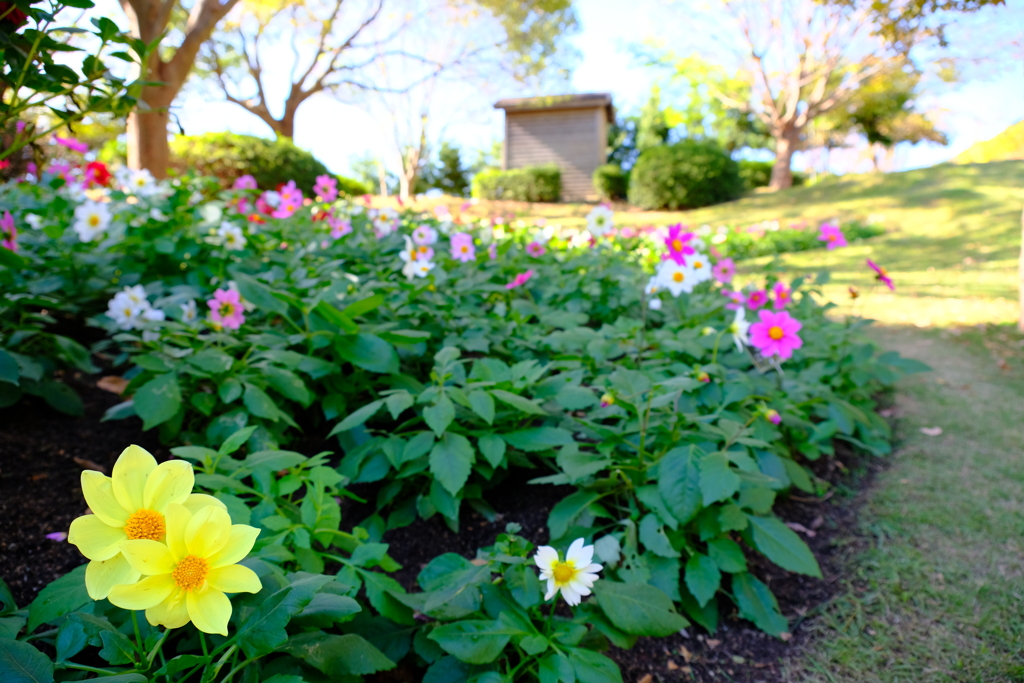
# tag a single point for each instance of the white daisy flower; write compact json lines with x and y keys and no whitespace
{"x":125,"y":311}
{"x":189,"y":312}
{"x":599,"y":220}
{"x":676,"y":278}
{"x":700,"y":265}
{"x":232,"y":236}
{"x":573,"y":576}
{"x":739,"y":329}
{"x":34,"y":221}
{"x":91,"y":218}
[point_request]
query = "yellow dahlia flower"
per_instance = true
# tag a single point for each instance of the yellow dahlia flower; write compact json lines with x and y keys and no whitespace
{"x":187,"y":577}
{"x":129,"y":506}
{"x":574,"y":576}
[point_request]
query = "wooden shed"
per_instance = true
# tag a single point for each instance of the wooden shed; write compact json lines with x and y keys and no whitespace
{"x":570,"y":131}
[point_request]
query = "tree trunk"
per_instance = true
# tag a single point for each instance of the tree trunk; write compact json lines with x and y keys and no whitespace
{"x":787,"y":142}
{"x":147,"y":141}
{"x":1020,"y":274}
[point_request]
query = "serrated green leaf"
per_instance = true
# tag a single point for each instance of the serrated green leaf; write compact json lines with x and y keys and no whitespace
{"x":781,"y":545}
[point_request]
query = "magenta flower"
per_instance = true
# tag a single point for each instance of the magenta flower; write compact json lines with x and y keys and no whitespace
{"x":287,"y":207}
{"x":724,"y":271}
{"x":783,"y":296}
{"x":339,"y":227}
{"x":832,"y":236}
{"x":678,"y":243}
{"x":290,"y":191}
{"x":520,"y":279}
{"x":773,"y":416}
{"x":326,"y":188}
{"x":226,"y":309}
{"x":536,"y":249}
{"x":72,"y":144}
{"x":7,"y":226}
{"x":757,"y":299}
{"x":735,"y":299}
{"x":492,"y":251}
{"x":881,"y":275}
{"x":246,"y":182}
{"x":776,"y":334}
{"x":57,"y":536}
{"x":19,"y":127}
{"x":462,"y":247}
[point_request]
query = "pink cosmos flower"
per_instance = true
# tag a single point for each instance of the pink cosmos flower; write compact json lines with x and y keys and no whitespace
{"x":339,"y":227}
{"x":757,"y":299}
{"x":735,"y":299}
{"x":290,"y":191}
{"x":536,"y":249}
{"x":326,"y":188}
{"x":367,"y":199}
{"x":832,"y":236}
{"x":286,"y":208}
{"x":72,"y":144}
{"x":425,"y":235}
{"x":226,"y":309}
{"x":776,"y":334}
{"x":678,"y":243}
{"x":462,"y":247}
{"x":724,"y":271}
{"x":520,"y":279}
{"x":492,"y":251}
{"x":466,"y":206}
{"x":783,"y":296}
{"x":246,"y":182}
{"x":881,"y":275}
{"x":7,"y":226}
{"x":442,"y":211}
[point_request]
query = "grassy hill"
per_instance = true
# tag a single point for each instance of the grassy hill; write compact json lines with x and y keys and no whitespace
{"x":1006,"y":146}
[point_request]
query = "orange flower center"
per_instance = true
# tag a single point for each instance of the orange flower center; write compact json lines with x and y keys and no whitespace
{"x":776,"y":333}
{"x":94,"y":220}
{"x":464,"y":249}
{"x":677,"y":245}
{"x":563,"y":572}
{"x":678,"y":276}
{"x":698,"y":264}
{"x":147,"y":524}
{"x":190,"y":573}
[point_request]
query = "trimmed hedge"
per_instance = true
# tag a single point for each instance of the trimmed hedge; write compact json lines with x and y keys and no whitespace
{"x":686,"y":175}
{"x":530,"y":184}
{"x":611,"y":182}
{"x":229,"y":156}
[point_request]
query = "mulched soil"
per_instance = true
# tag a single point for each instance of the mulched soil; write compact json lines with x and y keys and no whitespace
{"x":42,"y":454}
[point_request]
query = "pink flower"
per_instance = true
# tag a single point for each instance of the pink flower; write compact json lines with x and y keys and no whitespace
{"x":462,"y":247}
{"x":466,"y":206}
{"x":57,"y":536}
{"x":7,"y":225}
{"x":832,"y":236}
{"x":724,"y":271}
{"x":339,"y":227}
{"x":425,"y":235}
{"x":19,"y":127}
{"x":492,"y":251}
{"x":246,"y":182}
{"x":286,"y":208}
{"x":536,"y":249}
{"x":881,"y":275}
{"x":783,"y":295}
{"x":678,"y":244}
{"x":776,"y":334}
{"x":735,"y":299}
{"x":367,"y":199}
{"x":72,"y":144}
{"x":757,"y":299}
{"x":520,"y":279}
{"x":226,"y":309}
{"x":326,"y":188}
{"x":773,"y":416}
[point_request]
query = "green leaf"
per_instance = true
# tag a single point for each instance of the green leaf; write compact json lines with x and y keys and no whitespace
{"x":518,"y":402}
{"x":8,"y":259}
{"x":756,"y":603}
{"x":717,"y":480}
{"x":482,"y":404}
{"x":593,"y":667}
{"x":9,"y":371}
{"x":638,"y":608}
{"x":363,"y":306}
{"x":474,"y":641}
{"x":158,"y":400}
{"x":439,"y":415}
{"x":451,"y":460}
{"x":679,"y":483}
{"x":338,"y":656}
{"x":781,"y":545}
{"x":327,"y":609}
{"x":335,"y":317}
{"x":22,"y":663}
{"x":565,"y":511}
{"x":77,"y":354}
{"x":255,"y":292}
{"x":212,"y":361}
{"x":288,"y":384}
{"x":117,"y":649}
{"x":60,"y":597}
{"x":575,"y":397}
{"x":652,"y":535}
{"x":264,"y":630}
{"x":229,"y":390}
{"x":236,"y":440}
{"x":259,"y":403}
{"x":539,"y":438}
{"x":357,"y":418}
{"x":62,"y":397}
{"x":493,"y":448}
{"x":399,"y":403}
{"x":367,"y":351}
{"x":702,"y":577}
{"x":728,"y":555}
{"x":579,"y":464}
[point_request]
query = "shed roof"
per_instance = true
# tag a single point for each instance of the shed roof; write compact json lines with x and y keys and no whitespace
{"x":593,"y":100}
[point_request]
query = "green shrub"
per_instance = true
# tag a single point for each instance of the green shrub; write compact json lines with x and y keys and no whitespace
{"x":759,"y":174}
{"x":611,"y":182}
{"x":229,"y":156}
{"x":530,"y":184}
{"x":686,"y":175}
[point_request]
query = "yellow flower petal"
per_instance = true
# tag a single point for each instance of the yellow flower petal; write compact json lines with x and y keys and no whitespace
{"x":171,"y":613}
{"x":148,"y":557}
{"x":207,"y":532}
{"x":177,"y":518}
{"x":234,"y":578}
{"x":239,"y":544}
{"x":170,"y":482}
{"x":197,"y":501}
{"x":209,"y":609}
{"x":131,"y":471}
{"x":99,"y":494}
{"x":101,"y":577}
{"x":149,"y":592}
{"x":95,"y":539}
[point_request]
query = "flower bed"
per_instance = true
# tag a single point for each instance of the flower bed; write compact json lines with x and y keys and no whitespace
{"x":446,"y":359}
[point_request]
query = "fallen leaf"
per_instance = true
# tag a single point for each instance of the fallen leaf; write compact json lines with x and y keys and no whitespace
{"x":41,"y":475}
{"x":113,"y":384}
{"x":672,"y":666}
{"x":87,"y":464}
{"x":802,"y":529}
{"x":647,"y":678}
{"x":818,"y":521}
{"x":687,"y":655}
{"x":712,"y":643}
{"x":887,"y":412}
{"x":931,"y":431}
{"x":786,"y":636}
{"x":479,"y":562}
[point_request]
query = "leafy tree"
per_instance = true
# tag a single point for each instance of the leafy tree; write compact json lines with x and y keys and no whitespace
{"x":621,"y":149}
{"x":448,"y":174}
{"x":652,"y":126}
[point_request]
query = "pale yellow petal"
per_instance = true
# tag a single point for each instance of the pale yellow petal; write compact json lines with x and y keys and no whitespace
{"x":208,"y":531}
{"x":149,"y":592}
{"x":209,"y":609}
{"x":170,"y":482}
{"x":148,"y":557}
{"x":99,"y":494}
{"x":177,"y":518}
{"x":240,"y":542}
{"x":131,"y":471}
{"x":95,"y":539}
{"x":197,"y":501}
{"x":171,"y":613}
{"x":101,"y":577}
{"x":234,"y":578}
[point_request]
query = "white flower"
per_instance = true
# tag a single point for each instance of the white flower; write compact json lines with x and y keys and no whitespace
{"x":676,"y":278}
{"x":189,"y":313}
{"x":652,"y":289}
{"x":573,"y":576}
{"x":409,"y":253}
{"x":384,"y":221}
{"x":75,"y":191}
{"x":150,"y":336}
{"x":158,"y":215}
{"x":34,"y":221}
{"x":739,"y":329}
{"x":273,"y":199}
{"x":154,"y":315}
{"x":138,"y":182}
{"x":599,"y":220}
{"x":91,"y":218}
{"x":700,"y":265}
{"x":232,"y":236}
{"x":654,"y":304}
{"x":125,"y":311}
{"x":211,"y":213}
{"x":137,"y":295}
{"x":424,"y":235}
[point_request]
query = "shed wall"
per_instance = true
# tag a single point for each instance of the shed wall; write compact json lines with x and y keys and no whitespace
{"x":574,"y":139}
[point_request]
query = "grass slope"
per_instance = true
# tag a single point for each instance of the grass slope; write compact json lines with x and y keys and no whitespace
{"x":1007,"y":145}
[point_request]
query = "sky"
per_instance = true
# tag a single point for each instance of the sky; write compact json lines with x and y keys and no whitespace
{"x":989,"y":98}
